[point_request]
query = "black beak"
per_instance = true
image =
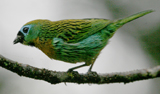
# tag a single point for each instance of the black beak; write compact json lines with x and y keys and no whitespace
{"x":19,"y":38}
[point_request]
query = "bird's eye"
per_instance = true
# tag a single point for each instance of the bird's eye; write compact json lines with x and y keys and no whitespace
{"x":25,"y":29}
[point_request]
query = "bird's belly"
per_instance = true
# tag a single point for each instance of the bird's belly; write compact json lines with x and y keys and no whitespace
{"x":83,"y":51}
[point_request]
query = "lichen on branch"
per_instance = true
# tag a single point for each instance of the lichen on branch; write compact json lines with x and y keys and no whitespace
{"x":55,"y":77}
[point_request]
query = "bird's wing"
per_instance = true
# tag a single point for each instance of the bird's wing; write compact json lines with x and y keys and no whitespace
{"x":74,"y":30}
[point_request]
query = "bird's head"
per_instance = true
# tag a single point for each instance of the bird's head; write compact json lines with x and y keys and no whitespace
{"x":29,"y":32}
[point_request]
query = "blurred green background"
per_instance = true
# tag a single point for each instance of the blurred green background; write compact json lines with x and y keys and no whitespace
{"x":134,"y":46}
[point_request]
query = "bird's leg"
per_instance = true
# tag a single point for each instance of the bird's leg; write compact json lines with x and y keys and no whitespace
{"x":71,"y":69}
{"x":86,"y":64}
{"x":92,"y":72}
{"x":90,"y":68}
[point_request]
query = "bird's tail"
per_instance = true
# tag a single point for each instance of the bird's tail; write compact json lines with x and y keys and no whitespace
{"x":112,"y":27}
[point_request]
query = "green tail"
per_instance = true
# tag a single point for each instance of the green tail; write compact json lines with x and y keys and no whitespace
{"x":112,"y":27}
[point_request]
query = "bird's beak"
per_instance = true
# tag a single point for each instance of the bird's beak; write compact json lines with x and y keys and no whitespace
{"x":19,"y":38}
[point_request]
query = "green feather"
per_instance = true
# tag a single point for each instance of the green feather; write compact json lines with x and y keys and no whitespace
{"x":72,"y":30}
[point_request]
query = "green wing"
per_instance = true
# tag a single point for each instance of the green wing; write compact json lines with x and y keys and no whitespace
{"x":74,"y":30}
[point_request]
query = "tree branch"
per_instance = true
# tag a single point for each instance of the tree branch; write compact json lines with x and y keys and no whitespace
{"x":54,"y":77}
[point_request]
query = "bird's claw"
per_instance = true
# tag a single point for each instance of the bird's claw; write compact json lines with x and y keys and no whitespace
{"x":70,"y":70}
{"x":92,"y":73}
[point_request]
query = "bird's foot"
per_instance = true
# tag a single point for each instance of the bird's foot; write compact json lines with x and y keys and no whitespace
{"x":92,"y":73}
{"x":70,"y":70}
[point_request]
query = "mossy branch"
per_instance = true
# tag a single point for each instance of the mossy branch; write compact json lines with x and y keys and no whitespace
{"x":55,"y":77}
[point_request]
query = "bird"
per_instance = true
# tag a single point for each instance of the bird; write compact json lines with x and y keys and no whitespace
{"x":72,"y":40}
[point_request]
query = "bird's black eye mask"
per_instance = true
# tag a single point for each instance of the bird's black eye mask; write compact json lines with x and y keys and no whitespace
{"x":22,"y":33}
{"x":19,"y":38}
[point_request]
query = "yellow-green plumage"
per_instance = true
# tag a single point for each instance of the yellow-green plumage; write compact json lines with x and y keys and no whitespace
{"x":71,"y":30}
{"x":73,"y":40}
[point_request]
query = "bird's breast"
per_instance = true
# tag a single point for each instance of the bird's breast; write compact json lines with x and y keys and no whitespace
{"x":45,"y":45}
